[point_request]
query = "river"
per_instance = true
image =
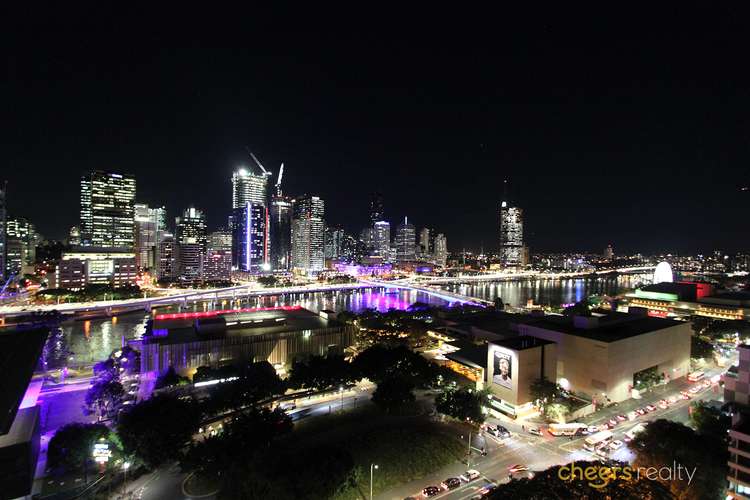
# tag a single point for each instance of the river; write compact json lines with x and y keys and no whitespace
{"x":78,"y":343}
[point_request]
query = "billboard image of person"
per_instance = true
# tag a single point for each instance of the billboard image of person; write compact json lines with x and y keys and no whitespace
{"x":503,"y":370}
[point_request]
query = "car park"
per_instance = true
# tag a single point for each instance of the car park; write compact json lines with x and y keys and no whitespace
{"x":431,"y":491}
{"x":451,"y":483}
{"x":470,"y":475}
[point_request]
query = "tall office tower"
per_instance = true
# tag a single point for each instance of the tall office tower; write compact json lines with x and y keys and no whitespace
{"x":167,"y":267}
{"x":366,"y":239}
{"x":352,"y":249}
{"x":381,"y":239}
{"x":191,"y":243}
{"x":511,"y":234}
{"x":250,"y":238}
{"x":441,"y":250}
{"x":3,"y":249}
{"x":334,"y":242}
{"x":146,"y":241}
{"x":405,"y":242}
{"x":217,"y":264}
{"x":376,"y":208}
{"x":107,"y":212}
{"x":424,"y":242}
{"x":280,"y":230}
{"x":74,"y":236}
{"x":248,"y":187}
{"x":21,"y":240}
{"x":308,"y":233}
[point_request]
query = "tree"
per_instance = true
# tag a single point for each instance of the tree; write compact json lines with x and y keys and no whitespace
{"x":256,"y":382}
{"x":169,"y":378}
{"x":578,"y":309}
{"x":103,"y":398}
{"x":700,"y":348}
{"x":664,"y":443}
{"x":156,"y":430}
{"x":709,"y":421}
{"x":543,"y":391}
{"x":321,"y":372}
{"x":380,"y":362}
{"x":268,"y":281}
{"x":557,"y":483}
{"x":393,"y":393}
{"x":70,"y":448}
{"x":464,"y":404}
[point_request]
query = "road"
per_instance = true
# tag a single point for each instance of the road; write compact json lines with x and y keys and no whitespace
{"x":541,"y":452}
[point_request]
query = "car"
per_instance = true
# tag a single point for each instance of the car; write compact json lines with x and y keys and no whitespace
{"x":451,"y":483}
{"x":592,"y":429}
{"x":673,"y":399}
{"x":603,"y":451}
{"x":498,"y":431}
{"x":641,"y":411}
{"x":616,"y":444}
{"x":621,"y":418}
{"x":431,"y":491}
{"x":663,"y":404}
{"x":632,"y":415}
{"x":613,"y":422}
{"x":685,"y":395}
{"x":696,"y":389}
{"x":650,"y":408}
{"x":517,"y":468}
{"x":534,"y":431}
{"x":487,"y":489}
{"x":469,"y":475}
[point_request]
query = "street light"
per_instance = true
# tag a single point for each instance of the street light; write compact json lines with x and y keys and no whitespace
{"x":372,"y":468}
{"x":125,"y":467}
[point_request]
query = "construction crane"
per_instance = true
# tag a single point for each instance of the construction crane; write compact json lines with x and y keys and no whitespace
{"x":281,"y":174}
{"x":257,"y":162}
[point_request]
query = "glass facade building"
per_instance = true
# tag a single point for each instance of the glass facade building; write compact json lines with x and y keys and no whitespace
{"x":191,"y":243}
{"x":281,"y":232}
{"x":107,"y":210}
{"x":308,"y":234}
{"x":511,"y":235}
{"x":250,"y":238}
{"x":405,"y":242}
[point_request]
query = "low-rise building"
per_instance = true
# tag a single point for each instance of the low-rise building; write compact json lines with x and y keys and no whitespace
{"x":83,"y":266}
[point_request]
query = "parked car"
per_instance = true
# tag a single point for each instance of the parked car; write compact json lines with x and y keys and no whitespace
{"x":621,"y":418}
{"x":534,"y":431}
{"x":469,"y":475}
{"x":613,"y":422}
{"x":451,"y":483}
{"x":650,"y":408}
{"x":616,"y":444}
{"x":641,"y":411}
{"x":431,"y":491}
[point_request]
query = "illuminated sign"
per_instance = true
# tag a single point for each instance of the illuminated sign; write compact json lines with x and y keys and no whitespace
{"x":502,"y":369}
{"x":643,"y":294}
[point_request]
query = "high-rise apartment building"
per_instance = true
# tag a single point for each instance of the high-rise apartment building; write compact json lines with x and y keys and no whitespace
{"x":168,"y":266}
{"x":21,"y":239}
{"x":441,"y":250}
{"x":217,"y":265}
{"x":150,"y":223}
{"x":250,"y":238}
{"x":511,"y":234}
{"x":405,"y":242}
{"x":334,"y":242}
{"x":191,"y":243}
{"x":107,"y":210}
{"x":381,"y":239}
{"x":308,"y":233}
{"x":425,"y":249}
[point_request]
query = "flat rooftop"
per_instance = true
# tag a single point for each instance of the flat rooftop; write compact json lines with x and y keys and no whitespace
{"x":606,"y":328}
{"x":469,"y":354}
{"x":19,"y":352}
{"x":522,"y":343}
{"x":291,"y":320}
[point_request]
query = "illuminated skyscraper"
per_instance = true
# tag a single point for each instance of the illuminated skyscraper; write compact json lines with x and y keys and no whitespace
{"x":405,"y":242}
{"x":250,"y":238}
{"x":308,"y":233}
{"x":217,"y":265}
{"x":381,"y":239}
{"x":334,"y":242}
{"x":248,"y":187}
{"x":168,"y":264}
{"x":150,"y":223}
{"x":425,"y":249}
{"x":191,"y":243}
{"x":280,"y":231}
{"x":511,"y":234}
{"x":107,"y":210}
{"x":441,"y":250}
{"x":21,"y":239}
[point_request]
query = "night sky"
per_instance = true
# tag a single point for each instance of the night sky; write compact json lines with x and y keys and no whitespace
{"x":628,"y":128}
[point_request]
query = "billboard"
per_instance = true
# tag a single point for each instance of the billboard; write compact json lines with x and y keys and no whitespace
{"x":502,"y":370}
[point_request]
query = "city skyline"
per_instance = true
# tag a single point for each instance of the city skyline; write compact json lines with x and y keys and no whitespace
{"x":567,"y":121}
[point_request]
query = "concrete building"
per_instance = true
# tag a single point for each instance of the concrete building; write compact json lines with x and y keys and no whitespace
{"x":405,"y":242}
{"x":278,"y":335}
{"x":308,"y":234}
{"x":737,"y":378}
{"x":81,"y":266}
{"x":191,"y":244}
{"x":107,"y":210}
{"x":739,"y":458}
